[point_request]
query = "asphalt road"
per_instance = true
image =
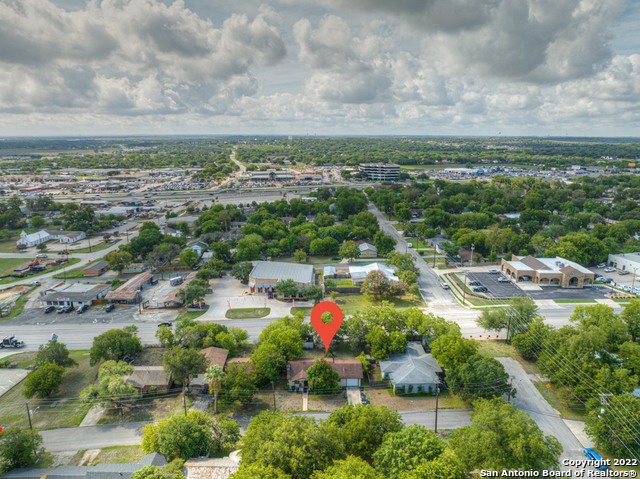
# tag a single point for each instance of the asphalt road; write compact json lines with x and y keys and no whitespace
{"x":127,"y":434}
{"x":428,"y":280}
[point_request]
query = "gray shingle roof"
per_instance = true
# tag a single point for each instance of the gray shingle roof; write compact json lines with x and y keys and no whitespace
{"x":300,"y":273}
{"x":412,"y":367}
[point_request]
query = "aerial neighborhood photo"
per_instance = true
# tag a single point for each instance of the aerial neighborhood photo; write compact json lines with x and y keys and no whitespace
{"x":319,"y":239}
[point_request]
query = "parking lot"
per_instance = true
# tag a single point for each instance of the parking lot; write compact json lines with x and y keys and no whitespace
{"x":509,"y":290}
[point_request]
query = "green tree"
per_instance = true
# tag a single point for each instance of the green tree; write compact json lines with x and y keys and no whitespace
{"x":502,"y":437}
{"x":214,"y":376}
{"x":350,"y":250}
{"x":479,"y":377}
{"x":38,"y":222}
{"x":322,"y":377}
{"x":349,"y":468}
{"x":384,"y":243}
{"x":300,"y":256}
{"x":240,"y":271}
{"x":451,"y":350}
{"x":297,"y":445}
{"x":288,"y":287}
{"x":113,"y":344}
{"x":182,"y":363}
{"x":189,"y":257}
{"x":119,"y":260}
{"x":18,"y":448}
{"x":631,"y":317}
{"x":362,"y":428}
{"x":56,"y":353}
{"x":44,"y":381}
{"x":258,"y":471}
{"x":404,"y":450}
{"x":268,"y":361}
{"x":173,"y":470}
{"x":196,"y":434}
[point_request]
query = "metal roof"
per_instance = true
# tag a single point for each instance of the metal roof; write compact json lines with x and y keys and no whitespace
{"x":300,"y":273}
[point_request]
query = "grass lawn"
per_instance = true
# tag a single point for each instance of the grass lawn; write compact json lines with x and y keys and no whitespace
{"x":500,"y":349}
{"x":146,"y":409}
{"x":50,"y":412}
{"x":355,"y":302}
{"x":247,"y":313}
{"x":71,"y":261}
{"x":571,"y":301}
{"x":183,"y":314}
{"x":569,"y":409}
{"x":305,"y":310}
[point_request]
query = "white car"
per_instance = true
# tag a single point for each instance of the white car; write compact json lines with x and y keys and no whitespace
{"x":493,"y":271}
{"x":601,"y":265}
{"x":502,"y":279}
{"x":609,"y":270}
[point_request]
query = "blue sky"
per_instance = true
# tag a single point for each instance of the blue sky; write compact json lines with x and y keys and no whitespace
{"x":454,"y":67}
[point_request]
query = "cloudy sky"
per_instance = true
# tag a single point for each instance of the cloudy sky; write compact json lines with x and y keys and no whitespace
{"x":419,"y":67}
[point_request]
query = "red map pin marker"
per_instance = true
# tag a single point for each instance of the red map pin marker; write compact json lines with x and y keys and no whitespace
{"x":326,"y":331}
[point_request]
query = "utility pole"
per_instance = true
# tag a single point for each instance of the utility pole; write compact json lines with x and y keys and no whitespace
{"x":273,"y":388}
{"x":435,"y":429}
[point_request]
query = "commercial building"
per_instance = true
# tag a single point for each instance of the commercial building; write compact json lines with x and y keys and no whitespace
{"x":380,"y":171}
{"x":547,"y":271}
{"x":96,"y":269}
{"x":131,"y":291}
{"x":266,"y":274}
{"x":75,"y":295}
{"x":350,"y":371}
{"x":625,"y":261}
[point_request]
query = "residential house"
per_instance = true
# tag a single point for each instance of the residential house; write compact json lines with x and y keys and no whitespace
{"x":99,"y":471}
{"x":215,"y":356}
{"x":367,"y":250}
{"x":96,"y":268}
{"x":266,"y":274}
{"x":412,"y":369}
{"x":198,"y":246}
{"x":350,"y":372}
{"x":149,"y":379}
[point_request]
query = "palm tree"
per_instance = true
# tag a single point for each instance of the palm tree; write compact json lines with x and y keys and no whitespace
{"x":214,"y":375}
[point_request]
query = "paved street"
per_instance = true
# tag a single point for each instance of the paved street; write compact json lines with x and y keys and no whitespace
{"x":126,"y":434}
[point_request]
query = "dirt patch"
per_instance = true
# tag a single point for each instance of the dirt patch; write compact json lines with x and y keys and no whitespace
{"x":326,"y":403}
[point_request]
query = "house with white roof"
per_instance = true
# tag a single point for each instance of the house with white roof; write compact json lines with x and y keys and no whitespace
{"x":546,"y":271}
{"x":412,"y":368}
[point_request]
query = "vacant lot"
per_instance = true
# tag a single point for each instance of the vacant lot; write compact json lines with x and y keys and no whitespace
{"x":62,"y":409}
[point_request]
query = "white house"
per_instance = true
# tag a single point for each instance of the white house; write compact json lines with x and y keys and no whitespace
{"x":33,"y":239}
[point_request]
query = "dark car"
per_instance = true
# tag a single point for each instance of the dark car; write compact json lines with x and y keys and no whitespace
{"x":165,"y":323}
{"x":109,"y":308}
{"x":336,"y":258}
{"x":49,"y":309}
{"x":82,"y":308}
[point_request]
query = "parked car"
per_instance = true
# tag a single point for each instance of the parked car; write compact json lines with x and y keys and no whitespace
{"x":41,"y":255}
{"x":49,"y":309}
{"x":601,"y":265}
{"x":594,"y":455}
{"x":493,"y":271}
{"x":165,"y":323}
{"x":502,"y":279}
{"x":609,"y":270}
{"x":109,"y":308}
